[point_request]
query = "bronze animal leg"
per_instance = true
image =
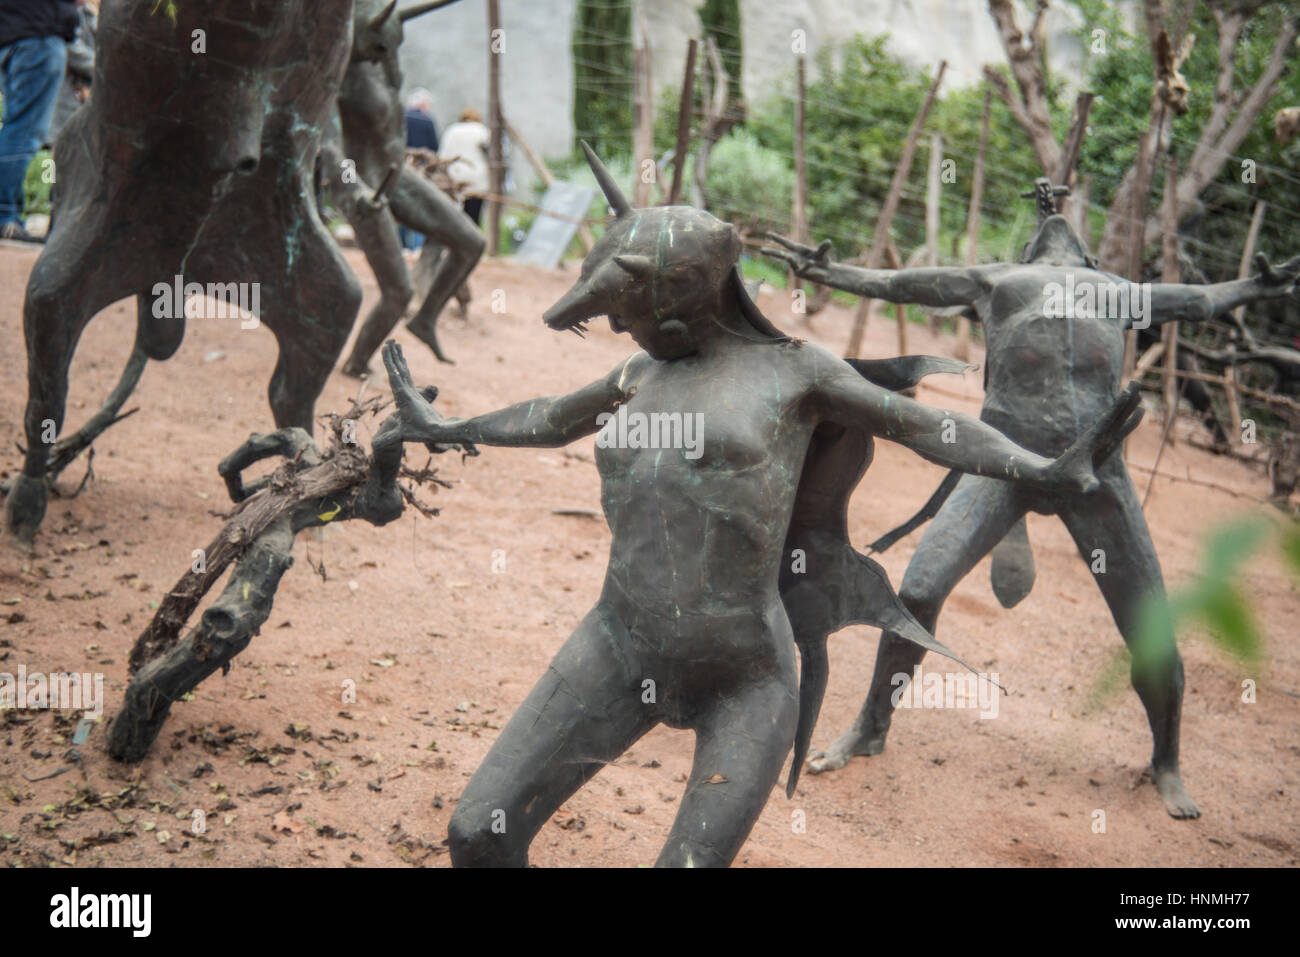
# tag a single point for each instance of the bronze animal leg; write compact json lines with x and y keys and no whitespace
{"x":1110,"y":521}
{"x":584,"y":712}
{"x":971,"y":522}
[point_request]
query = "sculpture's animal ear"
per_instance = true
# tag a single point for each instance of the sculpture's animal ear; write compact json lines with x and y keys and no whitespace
{"x":638,"y":267}
{"x":382,"y":17}
{"x":613,"y":195}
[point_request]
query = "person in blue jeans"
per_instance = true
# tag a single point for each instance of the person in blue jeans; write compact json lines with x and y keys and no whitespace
{"x":34,"y":38}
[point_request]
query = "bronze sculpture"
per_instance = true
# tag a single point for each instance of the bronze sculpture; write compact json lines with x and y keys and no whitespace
{"x":702,"y":604}
{"x":1053,"y":365}
{"x":364,"y":153}
{"x":191,"y":163}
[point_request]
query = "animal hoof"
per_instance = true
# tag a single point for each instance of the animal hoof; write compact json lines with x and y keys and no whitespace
{"x":25,"y":507}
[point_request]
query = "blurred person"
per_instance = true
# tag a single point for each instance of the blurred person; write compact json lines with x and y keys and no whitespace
{"x":421,"y":134}
{"x":34,"y":38}
{"x":466,"y":143}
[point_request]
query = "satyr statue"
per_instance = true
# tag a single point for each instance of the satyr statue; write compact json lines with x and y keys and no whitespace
{"x":190,"y":165}
{"x":727,"y":453}
{"x":1054,"y":326}
{"x":364,"y":155}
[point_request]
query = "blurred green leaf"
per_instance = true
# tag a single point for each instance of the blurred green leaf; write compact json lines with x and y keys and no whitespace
{"x":1231,"y":623}
{"x":1291,"y":547}
{"x":1230,"y":545}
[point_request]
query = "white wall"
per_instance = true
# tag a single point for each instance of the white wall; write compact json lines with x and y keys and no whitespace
{"x":446,"y":51}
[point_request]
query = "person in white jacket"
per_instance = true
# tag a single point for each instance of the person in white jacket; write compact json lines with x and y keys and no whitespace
{"x":466,"y":142}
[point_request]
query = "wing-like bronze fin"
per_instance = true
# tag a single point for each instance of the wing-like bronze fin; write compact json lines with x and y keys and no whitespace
{"x":1012,"y":573}
{"x":903,"y":372}
{"x":841,"y":587}
{"x":813,"y":672}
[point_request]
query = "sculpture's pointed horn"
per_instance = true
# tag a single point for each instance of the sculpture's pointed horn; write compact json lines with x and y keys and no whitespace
{"x":613,"y":195}
{"x":420,"y":8}
{"x":382,"y":16}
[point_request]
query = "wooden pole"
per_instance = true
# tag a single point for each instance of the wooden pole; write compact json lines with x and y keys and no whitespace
{"x":1078,"y":206}
{"x":962,"y":350}
{"x":496,"y":164}
{"x":799,"y":214}
{"x":900,"y":310}
{"x":1238,"y":316}
{"x":1248,"y":253}
{"x":684,"y":123}
{"x":886,"y":219}
{"x":1169,"y":272}
{"x":584,"y":233}
{"x":1148,"y":148}
{"x":932,"y":187}
{"x":643,"y":100}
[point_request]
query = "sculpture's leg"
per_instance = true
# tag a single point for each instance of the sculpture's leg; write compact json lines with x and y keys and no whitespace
{"x":60,"y":302}
{"x":155,"y":338}
{"x":310,"y":309}
{"x":377,"y":236}
{"x":975,"y":518}
{"x":420,"y":205}
{"x":740,"y":749}
{"x":584,"y":712}
{"x":1110,"y":522}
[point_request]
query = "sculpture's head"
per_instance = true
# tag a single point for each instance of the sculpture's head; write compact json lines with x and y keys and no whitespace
{"x":377,"y":27}
{"x":1057,"y":244}
{"x":376,"y":30}
{"x":664,"y":275}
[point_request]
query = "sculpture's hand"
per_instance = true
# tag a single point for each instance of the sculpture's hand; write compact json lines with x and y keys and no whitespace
{"x":1277,"y":281}
{"x":416,"y":419}
{"x":807,"y":263}
{"x":1074,"y":470}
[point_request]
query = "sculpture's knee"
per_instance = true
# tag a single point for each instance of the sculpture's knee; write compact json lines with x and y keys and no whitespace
{"x":921,"y":597}
{"x":479,"y":836}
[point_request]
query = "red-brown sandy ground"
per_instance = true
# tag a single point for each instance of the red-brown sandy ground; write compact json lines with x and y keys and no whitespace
{"x":443,"y":648}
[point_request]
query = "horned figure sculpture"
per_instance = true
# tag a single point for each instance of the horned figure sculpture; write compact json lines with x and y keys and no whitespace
{"x":190,"y":164}
{"x":729,"y":548}
{"x":1054,"y":326}
{"x":363,"y":158}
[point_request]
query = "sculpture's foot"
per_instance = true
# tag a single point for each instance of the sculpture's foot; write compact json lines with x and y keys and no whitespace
{"x":25,"y":507}
{"x":846,"y":747}
{"x":1178,"y":802}
{"x":357,"y":370}
{"x":429,"y":336}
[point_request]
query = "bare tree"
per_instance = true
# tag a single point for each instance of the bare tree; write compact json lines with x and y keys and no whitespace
{"x":1234,"y":112}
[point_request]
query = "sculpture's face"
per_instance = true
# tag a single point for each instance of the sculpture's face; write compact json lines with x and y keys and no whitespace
{"x":657,"y":274}
{"x":1057,"y":244}
{"x":376,"y":31}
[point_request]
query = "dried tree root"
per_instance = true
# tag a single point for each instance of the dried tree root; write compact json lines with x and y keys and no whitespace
{"x":310,"y":489}
{"x":223,"y":632}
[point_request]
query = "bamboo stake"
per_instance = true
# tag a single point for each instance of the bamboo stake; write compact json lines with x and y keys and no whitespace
{"x":892,"y":199}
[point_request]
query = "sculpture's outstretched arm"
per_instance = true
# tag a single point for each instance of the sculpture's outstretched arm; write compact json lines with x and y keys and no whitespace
{"x":1172,"y":302}
{"x":958,"y":441}
{"x":936,"y":287}
{"x":546,"y":422}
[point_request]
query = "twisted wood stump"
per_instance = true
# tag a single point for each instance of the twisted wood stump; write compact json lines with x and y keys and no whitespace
{"x":310,"y":489}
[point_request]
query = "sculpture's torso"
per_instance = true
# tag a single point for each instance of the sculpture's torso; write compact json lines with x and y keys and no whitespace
{"x":372,"y":119}
{"x":1049,"y":378}
{"x":697,"y":541}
